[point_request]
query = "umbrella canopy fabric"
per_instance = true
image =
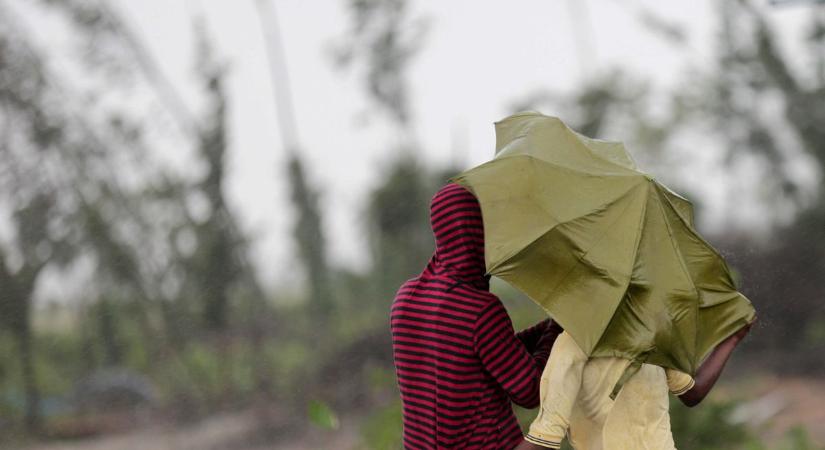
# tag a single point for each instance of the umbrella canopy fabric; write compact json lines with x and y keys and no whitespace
{"x":610,"y":253}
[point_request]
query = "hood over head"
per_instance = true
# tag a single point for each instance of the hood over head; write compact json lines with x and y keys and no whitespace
{"x":455,"y":215}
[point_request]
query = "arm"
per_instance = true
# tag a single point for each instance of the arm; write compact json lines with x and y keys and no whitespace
{"x":531,"y":337}
{"x":712,"y":367}
{"x":505,"y":357}
{"x":560,"y":384}
{"x":527,"y":445}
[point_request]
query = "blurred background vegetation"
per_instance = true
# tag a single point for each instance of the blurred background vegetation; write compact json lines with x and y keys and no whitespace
{"x":173,"y":340}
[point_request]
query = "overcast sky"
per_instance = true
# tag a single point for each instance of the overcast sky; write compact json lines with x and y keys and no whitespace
{"x":477,"y":58}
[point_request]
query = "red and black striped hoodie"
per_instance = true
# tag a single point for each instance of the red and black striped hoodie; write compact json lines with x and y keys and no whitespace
{"x":458,"y":362}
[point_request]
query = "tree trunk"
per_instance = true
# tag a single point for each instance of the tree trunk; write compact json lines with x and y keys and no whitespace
{"x":25,"y":348}
{"x":15,"y":309}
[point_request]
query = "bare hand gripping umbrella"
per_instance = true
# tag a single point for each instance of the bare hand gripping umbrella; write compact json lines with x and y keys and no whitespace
{"x":610,"y":253}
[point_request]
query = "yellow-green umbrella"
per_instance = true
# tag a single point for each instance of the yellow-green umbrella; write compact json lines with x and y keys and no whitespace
{"x":609,"y":252}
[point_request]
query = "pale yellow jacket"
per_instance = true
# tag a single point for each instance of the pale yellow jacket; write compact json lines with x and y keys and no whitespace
{"x":575,"y":401}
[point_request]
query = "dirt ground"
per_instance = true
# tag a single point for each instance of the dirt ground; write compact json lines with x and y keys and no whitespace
{"x":781,"y":404}
{"x":778,"y":405}
{"x":231,"y":431}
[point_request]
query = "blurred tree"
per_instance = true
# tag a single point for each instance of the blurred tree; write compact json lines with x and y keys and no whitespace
{"x":398,"y":216}
{"x":614,"y":105}
{"x":40,"y":235}
{"x":33,"y":247}
{"x":123,"y":272}
{"x":308,"y":228}
{"x":753,"y":73}
{"x":382,"y":40}
{"x":110,"y":46}
{"x":47,"y":204}
{"x":78,"y":178}
{"x":384,"y":36}
{"x":309,"y":236}
{"x":108,"y":330}
{"x":734,"y":102}
{"x":215,"y":263}
{"x":708,"y":427}
{"x":220,"y":261}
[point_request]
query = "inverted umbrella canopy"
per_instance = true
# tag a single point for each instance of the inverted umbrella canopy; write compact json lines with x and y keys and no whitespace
{"x":609,"y":252}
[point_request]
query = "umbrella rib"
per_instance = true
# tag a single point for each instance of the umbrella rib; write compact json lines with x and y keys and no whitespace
{"x":702,"y":240}
{"x":681,"y":260}
{"x":635,"y":252}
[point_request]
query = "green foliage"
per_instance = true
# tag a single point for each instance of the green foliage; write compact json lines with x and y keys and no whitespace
{"x":381,"y":430}
{"x":56,"y":363}
{"x":216,"y":264}
{"x":707,"y":427}
{"x":309,"y":237}
{"x":381,"y":379}
{"x":815,"y":332}
{"x":291,"y":360}
{"x":796,"y":439}
{"x":384,"y":39}
{"x":321,"y":415}
{"x":207,"y":376}
{"x":398,"y":215}
{"x":179,"y":389}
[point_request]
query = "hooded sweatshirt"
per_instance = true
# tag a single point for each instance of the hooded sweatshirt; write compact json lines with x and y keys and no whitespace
{"x":458,"y":361}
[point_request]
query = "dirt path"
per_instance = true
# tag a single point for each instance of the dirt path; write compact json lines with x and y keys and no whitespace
{"x":215,"y":433}
{"x":782,"y":404}
{"x":232,"y":431}
{"x":777,"y":406}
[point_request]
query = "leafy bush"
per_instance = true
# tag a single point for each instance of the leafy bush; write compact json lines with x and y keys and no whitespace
{"x":707,"y":427}
{"x":382,"y":429}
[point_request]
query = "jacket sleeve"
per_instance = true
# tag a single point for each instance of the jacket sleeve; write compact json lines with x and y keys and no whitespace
{"x":560,"y":384}
{"x":678,"y":382}
{"x":506,"y":358}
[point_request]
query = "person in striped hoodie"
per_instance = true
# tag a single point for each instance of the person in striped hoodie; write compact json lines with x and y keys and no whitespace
{"x":458,"y":361}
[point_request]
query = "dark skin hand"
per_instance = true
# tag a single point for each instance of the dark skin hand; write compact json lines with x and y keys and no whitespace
{"x":712,"y":367}
{"x":529,"y":446}
{"x":705,"y":379}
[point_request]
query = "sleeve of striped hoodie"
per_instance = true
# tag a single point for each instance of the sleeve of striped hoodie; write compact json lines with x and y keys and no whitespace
{"x":506,"y":358}
{"x":530,"y":336}
{"x":540,"y":337}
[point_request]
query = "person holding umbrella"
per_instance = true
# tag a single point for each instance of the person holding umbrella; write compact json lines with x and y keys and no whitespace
{"x":576,"y":399}
{"x":614,"y":257}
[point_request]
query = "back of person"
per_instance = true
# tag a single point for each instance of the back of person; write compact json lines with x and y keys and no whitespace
{"x":637,"y":420}
{"x":458,"y":362}
{"x":449,"y":400}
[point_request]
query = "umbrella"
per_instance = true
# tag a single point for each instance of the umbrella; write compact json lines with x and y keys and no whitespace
{"x":609,"y":252}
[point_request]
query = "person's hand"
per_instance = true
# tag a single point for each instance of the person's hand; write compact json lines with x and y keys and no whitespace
{"x":739,"y":335}
{"x":527,"y":445}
